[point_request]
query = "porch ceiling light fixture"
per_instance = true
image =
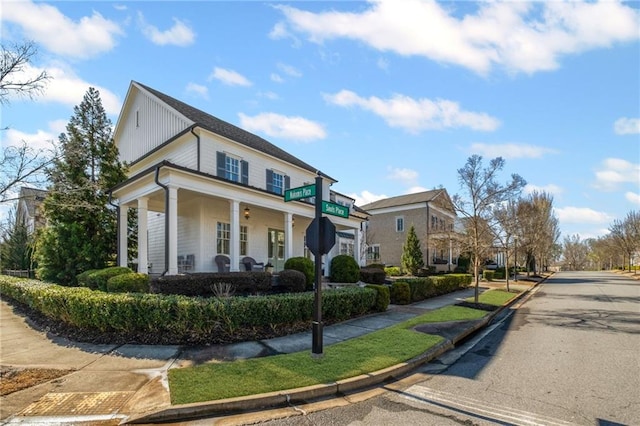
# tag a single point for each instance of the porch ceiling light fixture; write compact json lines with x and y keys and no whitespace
{"x":247,"y":213}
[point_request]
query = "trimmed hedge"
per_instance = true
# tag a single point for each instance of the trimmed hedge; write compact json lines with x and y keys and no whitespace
{"x":291,"y":281}
{"x":372,"y":275}
{"x":202,"y":283}
{"x":383,"y":297}
{"x":488,"y":275}
{"x":303,"y":265}
{"x":400,"y":293}
{"x":133,"y":282}
{"x":424,"y":288}
{"x":393,"y":271}
{"x":98,"y":280}
{"x":176,"y":319}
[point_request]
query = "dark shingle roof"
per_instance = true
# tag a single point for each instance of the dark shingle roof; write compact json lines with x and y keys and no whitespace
{"x":401,"y":200}
{"x":228,"y":130}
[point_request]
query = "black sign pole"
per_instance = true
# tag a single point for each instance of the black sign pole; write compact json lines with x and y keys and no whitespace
{"x":316,"y":350}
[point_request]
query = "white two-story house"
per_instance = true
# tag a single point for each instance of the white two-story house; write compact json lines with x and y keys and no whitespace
{"x":202,"y":187}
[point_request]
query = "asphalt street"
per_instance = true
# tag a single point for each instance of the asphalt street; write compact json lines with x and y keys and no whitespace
{"x":568,"y":355}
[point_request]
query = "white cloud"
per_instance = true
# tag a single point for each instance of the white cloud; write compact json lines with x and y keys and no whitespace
{"x":581,"y":215}
{"x":627,"y":126}
{"x":48,"y":27}
{"x":269,"y":95}
{"x":67,"y":88}
{"x":198,"y":89}
{"x":178,"y":35}
{"x":281,"y":126}
{"x":407,"y":176}
{"x":416,"y":115}
{"x":276,"y":78}
{"x":415,"y":189}
{"x":510,"y":150}
{"x":383,"y":64}
{"x":289,"y":70}
{"x":41,"y":139}
{"x":229,"y":77}
{"x":616,"y":172}
{"x":549,"y":189}
{"x":518,"y":36}
{"x":633,"y":197}
{"x":366,"y":197}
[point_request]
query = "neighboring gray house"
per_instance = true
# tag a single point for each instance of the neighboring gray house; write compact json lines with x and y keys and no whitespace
{"x":434,"y":218}
{"x":203,"y":187}
{"x":29,"y":208}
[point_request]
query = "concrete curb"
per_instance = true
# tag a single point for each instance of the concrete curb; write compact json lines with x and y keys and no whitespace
{"x":286,"y":397}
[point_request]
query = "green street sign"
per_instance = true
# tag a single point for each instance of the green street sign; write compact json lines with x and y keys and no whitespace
{"x":335,"y":209}
{"x":300,"y":192}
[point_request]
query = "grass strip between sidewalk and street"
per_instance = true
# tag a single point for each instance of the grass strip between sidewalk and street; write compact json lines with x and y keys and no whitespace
{"x":365,"y":354}
{"x":495,"y":297}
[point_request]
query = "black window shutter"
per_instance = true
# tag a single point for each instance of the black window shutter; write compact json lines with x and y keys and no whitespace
{"x":287,"y":182}
{"x":244,"y":170}
{"x":269,"y":180}
{"x":221,"y":160}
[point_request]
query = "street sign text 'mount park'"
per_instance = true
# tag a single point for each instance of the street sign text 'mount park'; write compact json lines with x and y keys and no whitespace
{"x":300,"y":192}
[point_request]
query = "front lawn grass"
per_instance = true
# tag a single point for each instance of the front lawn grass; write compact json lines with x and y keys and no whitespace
{"x":364,"y":354}
{"x":495,"y":297}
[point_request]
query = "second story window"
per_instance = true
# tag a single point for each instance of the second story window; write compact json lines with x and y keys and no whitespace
{"x":399,"y":224}
{"x":232,"y":168}
{"x":277,"y":182}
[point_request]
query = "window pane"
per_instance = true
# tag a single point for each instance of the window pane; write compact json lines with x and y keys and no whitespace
{"x":243,"y":240}
{"x":278,"y":183}
{"x":232,"y":169}
{"x":223,"y":239}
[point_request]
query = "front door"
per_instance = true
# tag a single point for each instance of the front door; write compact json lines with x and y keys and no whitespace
{"x":276,"y":249}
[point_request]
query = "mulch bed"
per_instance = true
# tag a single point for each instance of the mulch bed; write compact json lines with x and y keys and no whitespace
{"x":481,"y":306}
{"x":16,"y":379}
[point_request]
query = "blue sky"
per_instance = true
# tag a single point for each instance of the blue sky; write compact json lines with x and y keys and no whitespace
{"x":387,"y":97}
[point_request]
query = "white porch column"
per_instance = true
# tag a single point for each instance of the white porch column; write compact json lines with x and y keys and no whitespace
{"x":122,"y":236}
{"x":356,"y":246}
{"x":288,"y":235}
{"x":143,"y":251}
{"x":234,"y":248}
{"x":173,"y":231}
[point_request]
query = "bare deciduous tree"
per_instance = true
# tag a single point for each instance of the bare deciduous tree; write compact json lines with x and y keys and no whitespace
{"x":483,"y":193}
{"x":21,"y":165}
{"x":14,"y":76}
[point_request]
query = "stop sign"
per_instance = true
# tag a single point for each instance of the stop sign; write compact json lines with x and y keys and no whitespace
{"x":321,"y":244}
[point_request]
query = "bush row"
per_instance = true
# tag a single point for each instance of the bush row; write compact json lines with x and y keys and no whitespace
{"x":424,"y":288}
{"x":205,"y":283}
{"x":178,"y":319}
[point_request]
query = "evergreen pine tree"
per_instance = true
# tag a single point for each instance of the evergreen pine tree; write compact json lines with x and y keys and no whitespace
{"x":412,"y":259}
{"x":81,"y":232}
{"x":16,"y":247}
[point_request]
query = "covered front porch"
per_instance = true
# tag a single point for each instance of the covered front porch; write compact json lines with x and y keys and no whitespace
{"x":186,"y":219}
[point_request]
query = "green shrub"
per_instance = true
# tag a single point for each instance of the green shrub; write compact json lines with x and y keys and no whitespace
{"x":202,"y":283}
{"x":344,"y":269}
{"x":133,"y":282}
{"x":371,"y":275}
{"x":376,"y":265}
{"x":291,"y":280}
{"x":98,"y":280}
{"x":303,"y":265}
{"x":393,"y":271}
{"x":383,"y":297}
{"x":488,"y":274}
{"x":174,"y":319}
{"x":83,"y":278}
{"x":400,"y":293}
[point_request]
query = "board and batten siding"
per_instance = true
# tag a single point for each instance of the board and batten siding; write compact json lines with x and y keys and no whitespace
{"x":148,"y":124}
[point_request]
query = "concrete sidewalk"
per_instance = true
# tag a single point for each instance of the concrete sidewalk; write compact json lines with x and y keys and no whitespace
{"x":109,"y":384}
